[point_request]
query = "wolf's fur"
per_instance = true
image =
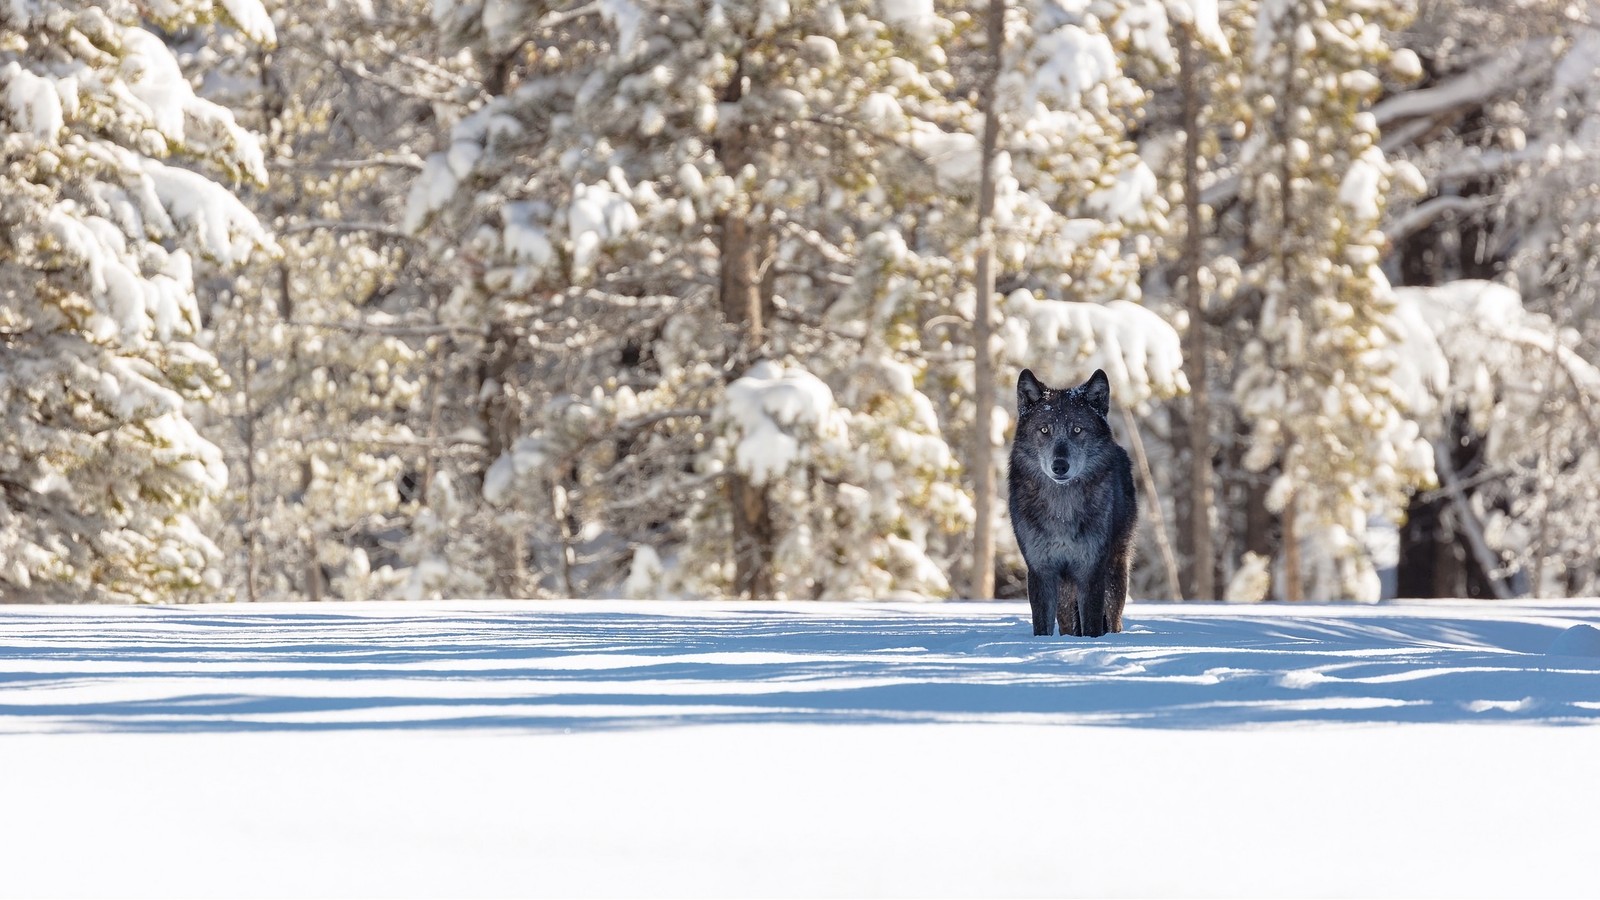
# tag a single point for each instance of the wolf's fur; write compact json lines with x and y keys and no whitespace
{"x":1073,"y":506}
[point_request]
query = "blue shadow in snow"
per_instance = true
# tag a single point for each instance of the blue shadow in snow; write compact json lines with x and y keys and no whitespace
{"x":533,"y":670}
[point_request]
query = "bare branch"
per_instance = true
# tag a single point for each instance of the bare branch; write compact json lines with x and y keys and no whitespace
{"x":817,"y":242}
{"x":445,"y":443}
{"x":1476,"y":542}
{"x":360,"y":70}
{"x":392,"y":330}
{"x":398,"y":161}
{"x":638,"y":423}
{"x":1158,"y":519}
{"x":561,"y":18}
{"x":375,"y":228}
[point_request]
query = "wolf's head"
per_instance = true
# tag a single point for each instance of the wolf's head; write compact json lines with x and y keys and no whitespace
{"x":1063,"y":431}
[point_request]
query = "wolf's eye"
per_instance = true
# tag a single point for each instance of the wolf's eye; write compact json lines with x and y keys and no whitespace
{"x":1077,"y":429}
{"x":1044,"y":429}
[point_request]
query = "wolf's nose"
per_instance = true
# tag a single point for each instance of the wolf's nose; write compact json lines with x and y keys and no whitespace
{"x":1058,"y":468}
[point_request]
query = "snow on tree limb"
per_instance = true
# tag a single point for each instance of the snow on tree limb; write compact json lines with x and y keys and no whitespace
{"x":106,"y":230}
{"x":1064,"y":341}
{"x":777,"y":411}
{"x":1503,"y":71}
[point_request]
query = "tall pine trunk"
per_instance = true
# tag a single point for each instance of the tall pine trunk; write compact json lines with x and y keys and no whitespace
{"x":500,"y":416}
{"x":1201,"y":548}
{"x":740,"y":287}
{"x":983,"y":482}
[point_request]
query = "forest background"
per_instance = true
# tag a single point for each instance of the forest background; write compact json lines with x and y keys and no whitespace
{"x":352,"y":300}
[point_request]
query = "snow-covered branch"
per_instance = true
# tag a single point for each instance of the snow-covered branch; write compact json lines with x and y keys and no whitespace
{"x":1501,"y":73}
{"x":1426,"y":213}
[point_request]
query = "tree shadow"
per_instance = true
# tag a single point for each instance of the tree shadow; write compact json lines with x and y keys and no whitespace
{"x":176,"y":670}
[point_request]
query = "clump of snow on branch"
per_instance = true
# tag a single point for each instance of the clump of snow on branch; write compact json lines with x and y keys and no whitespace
{"x":443,"y":172}
{"x":1064,"y":341}
{"x":525,"y":459}
{"x":626,"y":17}
{"x":776,"y":412}
{"x":225,"y":230}
{"x":956,"y":157}
{"x":1490,"y":346}
{"x":599,"y":213}
{"x":1251,"y":580}
{"x":915,"y":17}
{"x":434,"y":188}
{"x":644,"y":573}
{"x":157,"y":92}
{"x":1362,"y":188}
{"x":526,"y":238}
{"x":34,"y":104}
{"x":1201,"y":15}
{"x":252,"y":19}
{"x":1072,"y":61}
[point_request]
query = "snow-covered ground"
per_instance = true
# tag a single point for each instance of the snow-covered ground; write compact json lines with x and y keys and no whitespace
{"x":795,"y":749}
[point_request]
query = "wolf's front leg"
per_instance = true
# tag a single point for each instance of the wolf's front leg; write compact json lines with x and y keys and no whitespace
{"x":1067,"y":610}
{"x":1092,"y":606}
{"x":1042,"y":614}
{"x":1117,"y":589}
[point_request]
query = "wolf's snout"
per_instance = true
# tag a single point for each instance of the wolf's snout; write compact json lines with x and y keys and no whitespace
{"x":1058,"y":467}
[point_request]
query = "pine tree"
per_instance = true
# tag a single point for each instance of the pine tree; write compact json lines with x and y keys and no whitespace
{"x":1507,"y":98}
{"x":331,"y":347}
{"x":694,"y":201}
{"x":1314,"y":383}
{"x":102,"y":472}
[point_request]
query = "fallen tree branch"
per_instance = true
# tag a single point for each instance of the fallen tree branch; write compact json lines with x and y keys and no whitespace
{"x":1473,"y":529}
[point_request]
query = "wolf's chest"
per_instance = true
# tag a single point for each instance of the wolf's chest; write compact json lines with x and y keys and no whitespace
{"x":1067,"y":529}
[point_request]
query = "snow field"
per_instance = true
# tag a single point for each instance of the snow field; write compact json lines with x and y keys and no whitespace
{"x":782,"y":810}
{"x":788,"y":749}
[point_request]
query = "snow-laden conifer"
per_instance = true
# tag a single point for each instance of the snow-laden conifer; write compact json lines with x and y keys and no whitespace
{"x":1315,"y":385}
{"x":118,"y":185}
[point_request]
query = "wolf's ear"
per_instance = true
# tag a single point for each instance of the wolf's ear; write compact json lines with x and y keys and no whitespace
{"x":1029,"y":391}
{"x":1097,"y":392}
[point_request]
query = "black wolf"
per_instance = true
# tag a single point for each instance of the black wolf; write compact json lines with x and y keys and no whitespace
{"x":1073,"y":506}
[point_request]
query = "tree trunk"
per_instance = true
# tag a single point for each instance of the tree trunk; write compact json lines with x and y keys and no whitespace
{"x":741,"y":285}
{"x":252,"y":524}
{"x":740,"y":297}
{"x":501,"y":422}
{"x":1287,"y":249}
{"x":314,"y":585}
{"x":1250,"y":493}
{"x":1183,"y":499}
{"x":1202,"y":584}
{"x":983,"y":482}
{"x":753,"y":539}
{"x":1293,"y":583}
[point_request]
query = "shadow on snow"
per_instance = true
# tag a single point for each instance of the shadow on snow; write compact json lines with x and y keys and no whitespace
{"x":173,"y":671}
